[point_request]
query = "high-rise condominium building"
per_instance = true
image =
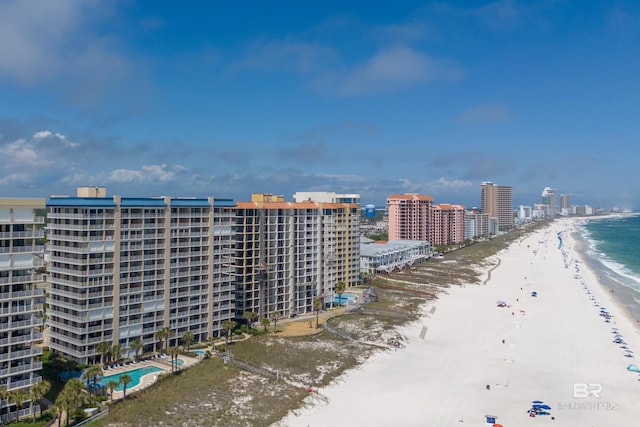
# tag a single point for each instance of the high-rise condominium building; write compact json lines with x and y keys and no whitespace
{"x":122,"y":269}
{"x":410,"y":217}
{"x":448,"y":224}
{"x":477,"y":225}
{"x":21,"y":312}
{"x":497,"y":201}
{"x":549,"y":198}
{"x":415,"y":217}
{"x":290,"y":253}
{"x":565,"y":202}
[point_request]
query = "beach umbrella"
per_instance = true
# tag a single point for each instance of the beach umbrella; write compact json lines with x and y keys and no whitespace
{"x":545,"y":407}
{"x":633,"y":368}
{"x":537,"y":402}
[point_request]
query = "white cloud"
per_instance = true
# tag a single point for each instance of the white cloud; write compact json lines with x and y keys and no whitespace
{"x":146,"y":174}
{"x":43,"y":149}
{"x":392,"y":69}
{"x":445,"y":184}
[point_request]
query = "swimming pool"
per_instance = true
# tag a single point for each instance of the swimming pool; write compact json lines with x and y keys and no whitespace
{"x":201,"y":352}
{"x":344,"y":298}
{"x":178,"y":362}
{"x":135,"y":374}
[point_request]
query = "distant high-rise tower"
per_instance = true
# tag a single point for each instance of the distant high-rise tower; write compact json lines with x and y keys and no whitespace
{"x":549,"y":198}
{"x":497,"y":202}
{"x":565,"y":202}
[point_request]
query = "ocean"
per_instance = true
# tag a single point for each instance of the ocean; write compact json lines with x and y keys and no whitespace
{"x":613,"y":251}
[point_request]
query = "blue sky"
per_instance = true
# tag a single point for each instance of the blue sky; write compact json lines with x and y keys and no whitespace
{"x":226,"y":98}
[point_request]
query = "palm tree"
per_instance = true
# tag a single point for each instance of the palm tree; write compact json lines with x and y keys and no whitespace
{"x":275,"y":316}
{"x":62,"y":405}
{"x":92,"y":373}
{"x":112,"y":385}
{"x":339,"y":289}
{"x":136,"y":345}
{"x":116,"y":351}
{"x":19,"y":397}
{"x":251,"y":316}
{"x":317,"y":306}
{"x":37,"y":392}
{"x":164,"y":334}
{"x":187,"y":339}
{"x":72,"y":396}
{"x":173,"y":352}
{"x":76,"y":392}
{"x":4,"y":394}
{"x":265,"y":322}
{"x":56,"y":411}
{"x":228,"y":326}
{"x":104,"y":348}
{"x":124,"y":380}
{"x":159,"y":336}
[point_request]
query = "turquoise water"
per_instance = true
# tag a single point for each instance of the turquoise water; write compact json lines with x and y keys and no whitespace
{"x":178,"y":362}
{"x":202,"y":352}
{"x":344,"y":298}
{"x":614,"y":252}
{"x":135,"y":374}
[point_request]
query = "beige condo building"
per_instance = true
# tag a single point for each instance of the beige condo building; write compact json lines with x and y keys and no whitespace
{"x":21,"y":310}
{"x":122,"y":268}
{"x":290,"y":253}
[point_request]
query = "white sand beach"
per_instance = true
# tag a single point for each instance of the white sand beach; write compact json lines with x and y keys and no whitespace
{"x":557,"y":349}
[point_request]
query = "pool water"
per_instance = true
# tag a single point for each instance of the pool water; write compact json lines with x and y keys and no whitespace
{"x":202,"y":352}
{"x":179,"y":362}
{"x":135,"y":374}
{"x":344,"y":298}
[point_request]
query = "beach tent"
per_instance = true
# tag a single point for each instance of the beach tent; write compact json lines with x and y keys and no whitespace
{"x":633,"y":368}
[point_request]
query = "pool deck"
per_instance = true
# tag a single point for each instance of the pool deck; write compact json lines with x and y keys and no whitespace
{"x":148,"y":379}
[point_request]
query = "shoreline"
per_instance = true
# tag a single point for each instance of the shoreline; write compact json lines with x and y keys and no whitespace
{"x":627,"y":296}
{"x":538,"y":348}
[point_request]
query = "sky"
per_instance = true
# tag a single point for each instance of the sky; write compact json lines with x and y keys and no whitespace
{"x":230,"y":98}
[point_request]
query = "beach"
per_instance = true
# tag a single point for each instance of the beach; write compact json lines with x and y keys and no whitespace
{"x":478,"y":359}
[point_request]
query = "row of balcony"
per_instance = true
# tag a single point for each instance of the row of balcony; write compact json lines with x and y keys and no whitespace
{"x":53,"y":226}
{"x":80,"y":282}
{"x":14,"y":385}
{"x":29,"y":234}
{"x":25,"y":367}
{"x":20,"y":339}
{"x":29,"y":293}
{"x":52,"y":214}
{"x":9,"y":354}
{"x":36,"y":249}
{"x":23,"y":308}
{"x":18,"y":324}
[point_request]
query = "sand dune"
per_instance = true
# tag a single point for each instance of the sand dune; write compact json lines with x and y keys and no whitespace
{"x":557,"y":349}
